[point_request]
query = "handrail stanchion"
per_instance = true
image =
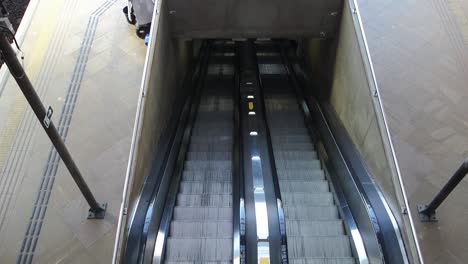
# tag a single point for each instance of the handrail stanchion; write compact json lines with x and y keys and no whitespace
{"x":8,"y":56}
{"x":427,"y":213}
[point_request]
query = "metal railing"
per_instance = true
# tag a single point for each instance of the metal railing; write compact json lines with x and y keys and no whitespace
{"x":427,"y":213}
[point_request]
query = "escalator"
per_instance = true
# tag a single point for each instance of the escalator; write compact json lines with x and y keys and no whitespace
{"x":314,"y":229}
{"x":243,"y":179}
{"x":200,"y":230}
{"x":201,"y":227}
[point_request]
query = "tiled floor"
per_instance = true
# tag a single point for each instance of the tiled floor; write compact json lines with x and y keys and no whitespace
{"x":81,"y":56}
{"x":420,"y":54}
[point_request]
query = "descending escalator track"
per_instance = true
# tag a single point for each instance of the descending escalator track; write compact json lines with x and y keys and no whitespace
{"x":200,"y":225}
{"x":315,"y":232}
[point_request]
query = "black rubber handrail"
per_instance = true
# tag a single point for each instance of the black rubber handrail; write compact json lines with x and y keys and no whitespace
{"x":427,"y":213}
{"x":238,"y":179}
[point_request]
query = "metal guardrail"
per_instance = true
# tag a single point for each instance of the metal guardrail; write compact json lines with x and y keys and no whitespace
{"x":385,"y":130}
{"x":427,"y":213}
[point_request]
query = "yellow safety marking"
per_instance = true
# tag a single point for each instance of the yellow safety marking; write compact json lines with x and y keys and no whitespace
{"x":459,"y":10}
{"x":251,"y":106}
{"x":264,"y":260}
{"x":8,"y":133}
{"x":35,"y":46}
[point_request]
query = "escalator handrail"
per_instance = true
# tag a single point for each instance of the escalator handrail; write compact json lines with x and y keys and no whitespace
{"x":238,"y":192}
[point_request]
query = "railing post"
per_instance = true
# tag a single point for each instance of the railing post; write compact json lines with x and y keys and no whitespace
{"x":427,"y":213}
{"x":7,"y":55}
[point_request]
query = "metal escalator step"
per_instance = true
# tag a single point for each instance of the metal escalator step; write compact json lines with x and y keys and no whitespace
{"x":282,"y":139}
{"x":319,"y":246}
{"x":286,"y":124}
{"x":294,"y":147}
{"x":198,"y":262}
{"x":201,"y":229}
{"x":219,"y":147}
{"x":281,"y":119}
{"x":298,"y":164}
{"x":203,"y":138}
{"x":207,"y":175}
{"x":216,"y":105}
{"x":304,"y":186}
{"x":224,"y":128}
{"x":213,"y":118}
{"x":307,"y":199}
{"x":346,"y":260}
{"x":199,"y":249}
{"x":202,"y":213}
{"x":273,"y":96}
{"x":286,"y":114}
{"x":206,"y":165}
{"x":205,"y":187}
{"x":302,"y":212}
{"x":204,"y":155}
{"x":281,"y":106}
{"x":220,"y":200}
{"x":285,"y":131}
{"x":300,"y":174}
{"x":314,"y":228}
{"x":295,"y":155}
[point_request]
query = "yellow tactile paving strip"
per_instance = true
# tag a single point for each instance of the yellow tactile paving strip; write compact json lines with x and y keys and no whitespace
{"x":460,"y":9}
{"x":99,"y":131}
{"x":34,"y":56}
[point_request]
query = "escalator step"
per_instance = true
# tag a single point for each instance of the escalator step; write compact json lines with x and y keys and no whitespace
{"x":203,"y":175}
{"x":302,"y":212}
{"x":294,"y":147}
{"x":219,"y":147}
{"x":298,"y":164}
{"x":205,"y":187}
{"x":300,"y":174}
{"x":216,"y":105}
{"x":224,"y":128}
{"x":347,"y":260}
{"x":207,"y":165}
{"x":304,"y":186}
{"x":199,"y":249}
{"x":213,"y":118}
{"x":314,"y":228}
{"x":201,"y":229}
{"x":204,"y":155}
{"x":202,"y":213}
{"x":307,"y":199}
{"x":210,"y":138}
{"x":287,"y":131}
{"x":290,"y":139}
{"x":295,"y":155}
{"x":220,"y":200}
{"x":318,"y":246}
{"x":198,"y":262}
